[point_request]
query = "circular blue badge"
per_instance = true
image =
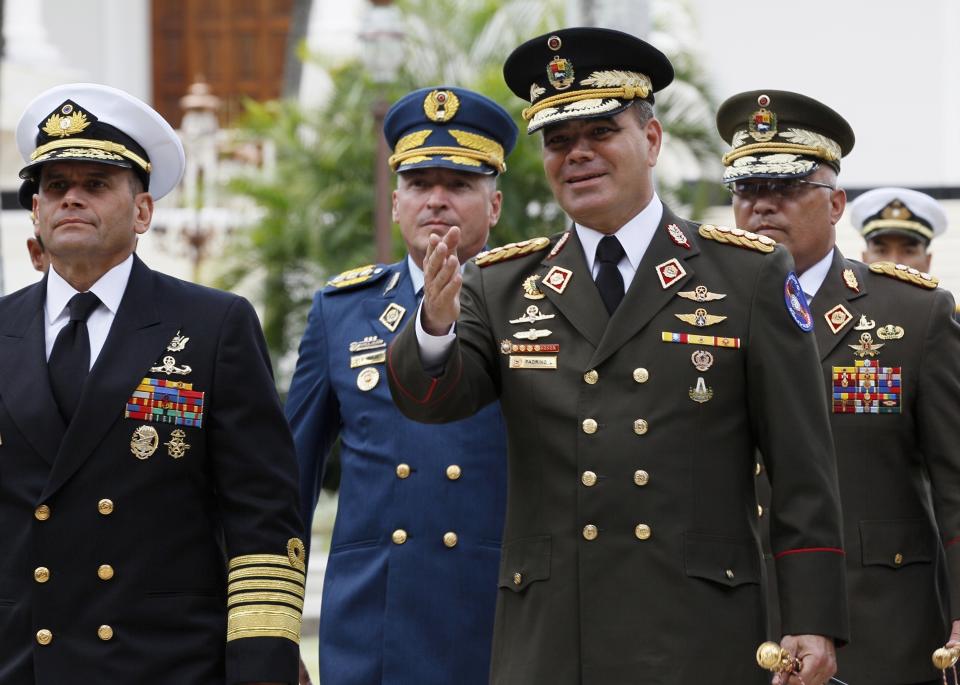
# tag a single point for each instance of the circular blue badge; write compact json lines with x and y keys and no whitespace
{"x":797,"y":303}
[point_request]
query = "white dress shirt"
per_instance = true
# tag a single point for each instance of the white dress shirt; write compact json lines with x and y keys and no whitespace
{"x":634,"y":236}
{"x":813,"y":278}
{"x":109,"y":289}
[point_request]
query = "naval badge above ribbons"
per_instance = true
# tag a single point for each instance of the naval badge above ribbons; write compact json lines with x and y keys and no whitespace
{"x":166,"y":401}
{"x":797,"y":303}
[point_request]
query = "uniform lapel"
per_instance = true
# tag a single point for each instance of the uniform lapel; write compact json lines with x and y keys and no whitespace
{"x":646,"y":295}
{"x":833,"y":292}
{"x":136,"y":339}
{"x":24,"y":384}
{"x":401,"y":294}
{"x":580,"y":301}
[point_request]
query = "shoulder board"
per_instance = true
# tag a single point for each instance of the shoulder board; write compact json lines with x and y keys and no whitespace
{"x":738,"y":237}
{"x":907,"y":274}
{"x":356,"y":276}
{"x":511,"y":251}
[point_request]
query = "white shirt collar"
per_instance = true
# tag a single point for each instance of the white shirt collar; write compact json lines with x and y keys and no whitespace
{"x":109,"y":288}
{"x":635,"y":235}
{"x":416,"y":275}
{"x":813,"y":278}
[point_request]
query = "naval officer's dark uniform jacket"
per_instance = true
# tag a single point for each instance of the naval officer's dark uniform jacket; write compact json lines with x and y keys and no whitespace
{"x":631,"y":549}
{"x":890,"y":351}
{"x":119,"y":531}
{"x":410,"y":586}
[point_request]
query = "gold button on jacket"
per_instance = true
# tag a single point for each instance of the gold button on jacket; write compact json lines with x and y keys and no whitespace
{"x":399,"y":536}
{"x":642,"y":531}
{"x":591,"y":377}
{"x":450,"y":539}
{"x":44,"y":636}
{"x":105,"y":632}
{"x":589,"y":426}
{"x":105,"y":507}
{"x":590,"y":532}
{"x":640,"y":427}
{"x":641,"y":375}
{"x":589,"y":478}
{"x":41,"y":574}
{"x":641,"y":477}
{"x":403,"y":470}
{"x":105,"y":572}
{"x":453,"y":472}
{"x":41,"y":513}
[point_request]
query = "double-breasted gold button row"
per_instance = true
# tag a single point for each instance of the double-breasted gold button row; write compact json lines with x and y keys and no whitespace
{"x":450,"y":539}
{"x":642,"y":531}
{"x":453,"y":471}
{"x":42,"y":513}
{"x":45,"y":636}
{"x":640,"y":478}
{"x":590,"y":426}
{"x":592,"y":377}
{"x":41,"y":574}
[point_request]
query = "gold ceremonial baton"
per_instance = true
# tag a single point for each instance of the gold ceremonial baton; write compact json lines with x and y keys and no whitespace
{"x":776,"y":659}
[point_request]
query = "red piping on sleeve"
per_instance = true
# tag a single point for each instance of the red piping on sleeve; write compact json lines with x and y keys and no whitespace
{"x":804,"y":550}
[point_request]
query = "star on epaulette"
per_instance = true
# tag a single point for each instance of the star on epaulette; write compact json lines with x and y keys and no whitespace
{"x":738,"y":237}
{"x":511,"y":251}
{"x":905,"y":273}
{"x":356,"y":275}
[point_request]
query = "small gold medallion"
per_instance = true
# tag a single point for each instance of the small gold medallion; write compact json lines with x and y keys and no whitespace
{"x":530,"y":290}
{"x":865,"y":324}
{"x":700,"y":318}
{"x":297,"y":554}
{"x":866,"y":347}
{"x":837,"y":318}
{"x":177,"y":447}
{"x":557,"y":279}
{"x":890,"y":332}
{"x":702,"y":360}
{"x":850,"y":280}
{"x":392,"y":316}
{"x":701,"y":393}
{"x":368,"y":378}
{"x":144,"y":442}
{"x":701,"y":294}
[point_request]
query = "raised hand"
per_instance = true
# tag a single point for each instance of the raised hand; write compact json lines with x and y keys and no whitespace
{"x":441,"y":283}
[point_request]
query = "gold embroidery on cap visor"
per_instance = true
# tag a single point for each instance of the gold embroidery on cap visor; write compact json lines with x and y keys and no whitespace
{"x":915,"y":226}
{"x":476,"y":149}
{"x":784,"y":153}
{"x":87,"y":149}
{"x":609,"y":89}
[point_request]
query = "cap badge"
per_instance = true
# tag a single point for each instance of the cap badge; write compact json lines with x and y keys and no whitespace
{"x":896,"y":210}
{"x":536,"y":91}
{"x":441,"y":105}
{"x":560,"y":73}
{"x":72,"y":122}
{"x":554,"y":43}
{"x":763,"y":123}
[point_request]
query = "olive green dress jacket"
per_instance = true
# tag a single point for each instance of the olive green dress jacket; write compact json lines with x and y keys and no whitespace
{"x":631,"y":550}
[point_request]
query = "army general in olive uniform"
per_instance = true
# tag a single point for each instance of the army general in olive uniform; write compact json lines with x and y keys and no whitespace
{"x":890,"y":355}
{"x":639,"y":359}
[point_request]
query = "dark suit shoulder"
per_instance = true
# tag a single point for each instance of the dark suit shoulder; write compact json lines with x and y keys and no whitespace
{"x":26,"y":296}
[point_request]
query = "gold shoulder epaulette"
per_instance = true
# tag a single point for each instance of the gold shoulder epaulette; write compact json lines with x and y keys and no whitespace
{"x":511,"y":251}
{"x":356,"y":275}
{"x":738,"y":237}
{"x":905,"y":273}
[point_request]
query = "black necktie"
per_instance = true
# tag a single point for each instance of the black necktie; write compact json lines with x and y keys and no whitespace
{"x":70,"y":360}
{"x":609,"y":280}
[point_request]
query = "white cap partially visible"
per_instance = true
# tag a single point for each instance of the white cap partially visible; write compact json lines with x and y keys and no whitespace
{"x":89,"y":122}
{"x":897,"y":210}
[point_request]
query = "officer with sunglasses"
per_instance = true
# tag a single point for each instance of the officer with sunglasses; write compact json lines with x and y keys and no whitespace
{"x":890,"y":352}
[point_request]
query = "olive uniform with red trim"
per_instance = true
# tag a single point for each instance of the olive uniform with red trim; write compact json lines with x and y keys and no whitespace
{"x":631,"y":550}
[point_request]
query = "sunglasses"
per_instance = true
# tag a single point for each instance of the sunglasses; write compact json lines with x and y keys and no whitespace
{"x":780,"y":189}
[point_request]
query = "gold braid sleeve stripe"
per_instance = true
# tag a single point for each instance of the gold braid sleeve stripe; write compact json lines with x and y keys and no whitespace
{"x":106,"y":145}
{"x":261,"y":597}
{"x":267,"y":572}
{"x":268,"y":585}
{"x":906,"y":274}
{"x":915,"y":226}
{"x":621,"y":93}
{"x":775,"y":148}
{"x":263,"y":620}
{"x":494,"y":161}
{"x":738,"y":237}
{"x":259,"y":560}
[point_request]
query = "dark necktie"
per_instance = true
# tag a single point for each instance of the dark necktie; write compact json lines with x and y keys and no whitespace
{"x":70,"y":359}
{"x":609,"y":280}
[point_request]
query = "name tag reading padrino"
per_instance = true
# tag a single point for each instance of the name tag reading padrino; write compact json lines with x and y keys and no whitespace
{"x":522,"y":361}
